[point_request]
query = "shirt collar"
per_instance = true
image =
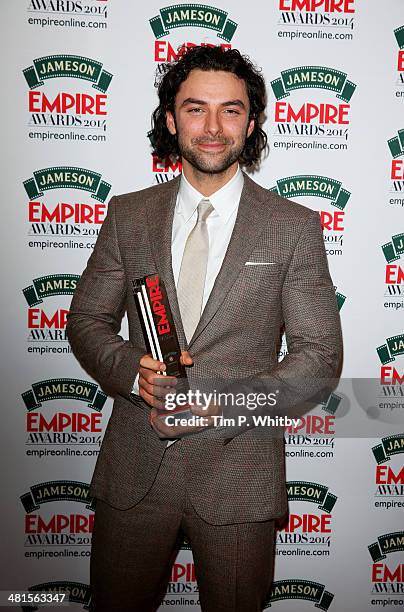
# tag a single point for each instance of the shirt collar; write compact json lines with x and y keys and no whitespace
{"x":224,"y":201}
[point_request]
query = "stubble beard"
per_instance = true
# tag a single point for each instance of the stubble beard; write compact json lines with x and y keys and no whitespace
{"x":210,"y":163}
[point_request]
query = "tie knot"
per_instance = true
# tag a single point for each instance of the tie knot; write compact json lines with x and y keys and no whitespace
{"x":204,"y":209}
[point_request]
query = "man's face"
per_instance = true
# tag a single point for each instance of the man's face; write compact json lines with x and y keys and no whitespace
{"x":211,"y":120}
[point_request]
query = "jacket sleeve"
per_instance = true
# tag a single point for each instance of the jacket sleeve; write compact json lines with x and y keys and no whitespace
{"x":96,"y":313}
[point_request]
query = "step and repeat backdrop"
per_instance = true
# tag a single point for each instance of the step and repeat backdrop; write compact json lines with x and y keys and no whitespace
{"x":79,"y":85}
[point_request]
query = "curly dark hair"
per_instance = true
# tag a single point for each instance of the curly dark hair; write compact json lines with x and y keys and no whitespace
{"x":210,"y":58}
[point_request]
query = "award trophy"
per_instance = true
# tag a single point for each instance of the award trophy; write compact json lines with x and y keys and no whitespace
{"x":160,"y":333}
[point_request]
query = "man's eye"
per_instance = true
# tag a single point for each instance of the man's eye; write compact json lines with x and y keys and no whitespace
{"x":195,"y":111}
{"x":232,"y":111}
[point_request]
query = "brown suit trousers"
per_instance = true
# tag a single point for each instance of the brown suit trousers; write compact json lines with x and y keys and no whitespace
{"x":134,"y":550}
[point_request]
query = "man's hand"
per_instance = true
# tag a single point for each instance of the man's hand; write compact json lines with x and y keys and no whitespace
{"x":154,"y":387}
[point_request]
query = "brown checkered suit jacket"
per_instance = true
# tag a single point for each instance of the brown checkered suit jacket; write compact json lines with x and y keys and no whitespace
{"x":237,"y":337}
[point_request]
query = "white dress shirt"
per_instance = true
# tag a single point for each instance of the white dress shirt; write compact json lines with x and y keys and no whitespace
{"x":220,"y":224}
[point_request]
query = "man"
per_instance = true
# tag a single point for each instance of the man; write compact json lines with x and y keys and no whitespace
{"x":239,"y":263}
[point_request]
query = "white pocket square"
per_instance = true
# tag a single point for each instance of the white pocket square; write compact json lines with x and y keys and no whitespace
{"x":260,"y":263}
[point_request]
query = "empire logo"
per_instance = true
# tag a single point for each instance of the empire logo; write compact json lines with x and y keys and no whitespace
{"x":396,"y":146}
{"x":389,"y":480}
{"x":308,"y":528}
{"x":317,"y":430}
{"x":64,"y":108}
{"x":324,"y":120}
{"x":304,"y":15}
{"x":75,"y":592}
{"x":297,"y":588}
{"x":333,"y":219}
{"x":42,"y":529}
{"x":387,"y":577}
{"x":164,"y":169}
{"x":43,"y":326}
{"x":65,"y":218}
{"x":399,"y":34}
{"x":394,"y":272}
{"x":63,"y":427}
{"x":182,"y":579}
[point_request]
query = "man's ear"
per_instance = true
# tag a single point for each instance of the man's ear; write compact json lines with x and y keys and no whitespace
{"x":170,"y":123}
{"x":251,"y":126}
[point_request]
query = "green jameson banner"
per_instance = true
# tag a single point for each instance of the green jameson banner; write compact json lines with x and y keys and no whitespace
{"x":340,"y":299}
{"x":387,"y":543}
{"x":394,"y":346}
{"x":313,"y":77}
{"x":391,"y":445}
{"x":399,"y":34}
{"x":64,"y":388}
{"x":69,"y":177}
{"x":57,"y":490}
{"x":313,"y":185}
{"x":47,"y":286}
{"x":71,"y":66}
{"x":76,"y":592}
{"x":301,"y":490}
{"x":301,"y":589}
{"x":396,"y":144}
{"x":394,"y":249}
{"x":332,"y":403}
{"x":193,"y":15}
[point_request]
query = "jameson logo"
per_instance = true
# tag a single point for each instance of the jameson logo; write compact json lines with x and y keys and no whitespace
{"x":76,"y":592}
{"x":193,"y":15}
{"x":73,"y":66}
{"x":313,"y":77}
{"x":301,"y":490}
{"x":59,"y":177}
{"x":396,"y":144}
{"x":295,"y":588}
{"x":340,"y":299}
{"x":57,"y":490}
{"x":394,"y":346}
{"x":64,"y":388}
{"x":331,"y":404}
{"x":386,"y":544}
{"x":399,"y":34}
{"x":313,"y":185}
{"x":389,"y":446}
{"x":394,"y":249}
{"x":47,"y":286}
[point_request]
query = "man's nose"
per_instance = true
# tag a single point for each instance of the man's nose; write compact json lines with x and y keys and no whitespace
{"x":213,"y":124}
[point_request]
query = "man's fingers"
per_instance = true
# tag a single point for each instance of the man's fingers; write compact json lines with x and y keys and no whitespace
{"x":156,"y":390}
{"x":155,"y":365}
{"x":186,"y":358}
{"x":151,"y":399}
{"x":157,"y":379}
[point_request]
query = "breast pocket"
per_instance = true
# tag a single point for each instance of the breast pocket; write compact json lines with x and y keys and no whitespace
{"x":262,"y":272}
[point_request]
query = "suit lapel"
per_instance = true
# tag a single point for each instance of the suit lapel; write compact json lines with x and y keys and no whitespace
{"x":252,"y":217}
{"x":160,"y":212}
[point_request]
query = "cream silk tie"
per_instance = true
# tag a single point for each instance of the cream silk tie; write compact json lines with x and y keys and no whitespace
{"x":191,"y":280}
